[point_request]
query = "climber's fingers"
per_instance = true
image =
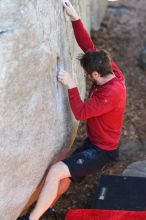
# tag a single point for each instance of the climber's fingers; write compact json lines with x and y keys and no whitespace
{"x":70,"y":10}
{"x":61,"y":75}
{"x":69,"y":7}
{"x":64,"y":77}
{"x":60,"y":80}
{"x":66,"y":4}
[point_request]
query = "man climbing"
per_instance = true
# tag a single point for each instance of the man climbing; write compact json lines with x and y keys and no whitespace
{"x":103,"y":112}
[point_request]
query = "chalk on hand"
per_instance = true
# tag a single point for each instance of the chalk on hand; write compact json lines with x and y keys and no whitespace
{"x":60,"y":69}
{"x":65,"y":2}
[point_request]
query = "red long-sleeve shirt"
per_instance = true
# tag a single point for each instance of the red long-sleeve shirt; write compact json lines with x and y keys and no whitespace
{"x":104,"y":109}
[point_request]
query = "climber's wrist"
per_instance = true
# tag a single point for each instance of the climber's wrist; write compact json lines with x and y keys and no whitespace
{"x":71,"y":85}
{"x":74,"y":18}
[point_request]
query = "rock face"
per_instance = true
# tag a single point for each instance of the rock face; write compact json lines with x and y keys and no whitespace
{"x":137,"y":169}
{"x":142,"y":58}
{"x":36,"y":124}
{"x":97,"y":12}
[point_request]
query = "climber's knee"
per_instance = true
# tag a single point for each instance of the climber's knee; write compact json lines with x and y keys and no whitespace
{"x":58,"y":171}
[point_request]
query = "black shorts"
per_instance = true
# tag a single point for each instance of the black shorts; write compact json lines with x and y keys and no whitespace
{"x":89,"y":159}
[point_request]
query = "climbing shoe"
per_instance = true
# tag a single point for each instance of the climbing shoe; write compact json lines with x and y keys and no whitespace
{"x":50,"y":214}
{"x":25,"y":217}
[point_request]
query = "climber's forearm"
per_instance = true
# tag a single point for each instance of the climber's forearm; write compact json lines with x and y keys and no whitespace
{"x":82,"y":36}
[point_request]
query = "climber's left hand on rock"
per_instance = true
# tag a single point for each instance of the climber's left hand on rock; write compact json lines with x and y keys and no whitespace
{"x":65,"y":78}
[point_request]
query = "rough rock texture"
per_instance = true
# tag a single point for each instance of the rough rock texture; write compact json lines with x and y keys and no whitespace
{"x":142,"y":58}
{"x":95,"y":9}
{"x":137,"y":169}
{"x":97,"y":12}
{"x":36,"y":124}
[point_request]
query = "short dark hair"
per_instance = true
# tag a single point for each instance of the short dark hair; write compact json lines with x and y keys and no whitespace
{"x":99,"y":61}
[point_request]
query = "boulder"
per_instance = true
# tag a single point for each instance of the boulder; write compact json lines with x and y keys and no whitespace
{"x":97,"y":11}
{"x":37,"y":127}
{"x":136,"y":169}
{"x":142,"y":58}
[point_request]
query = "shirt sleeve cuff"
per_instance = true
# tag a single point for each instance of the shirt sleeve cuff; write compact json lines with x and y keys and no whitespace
{"x":73,"y":90}
{"x":76,"y":22}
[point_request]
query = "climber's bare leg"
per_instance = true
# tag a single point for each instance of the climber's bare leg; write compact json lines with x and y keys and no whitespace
{"x":63,"y":187}
{"x":50,"y":189}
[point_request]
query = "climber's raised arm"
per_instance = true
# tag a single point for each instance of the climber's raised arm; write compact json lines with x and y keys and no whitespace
{"x":82,"y":37}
